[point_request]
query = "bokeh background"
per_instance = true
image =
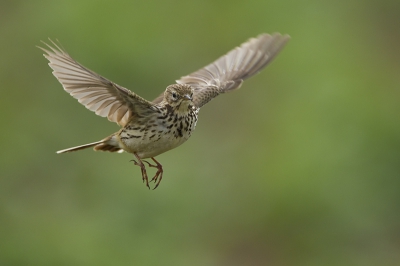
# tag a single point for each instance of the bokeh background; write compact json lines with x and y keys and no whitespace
{"x":301,"y":166}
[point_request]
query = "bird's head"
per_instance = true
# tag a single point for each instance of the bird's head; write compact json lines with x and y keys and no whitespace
{"x":179,"y":95}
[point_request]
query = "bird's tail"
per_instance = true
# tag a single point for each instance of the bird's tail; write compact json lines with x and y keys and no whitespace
{"x":108,"y":144}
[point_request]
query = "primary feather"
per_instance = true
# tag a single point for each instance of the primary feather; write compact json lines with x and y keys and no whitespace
{"x":228,"y":72}
{"x":95,"y":92}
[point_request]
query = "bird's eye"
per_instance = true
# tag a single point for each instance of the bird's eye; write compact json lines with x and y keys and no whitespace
{"x":174,"y":95}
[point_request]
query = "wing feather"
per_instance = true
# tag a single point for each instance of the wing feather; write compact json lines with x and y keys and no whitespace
{"x":95,"y":92}
{"x":228,"y":72}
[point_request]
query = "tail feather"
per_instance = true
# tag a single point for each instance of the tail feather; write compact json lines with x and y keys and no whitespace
{"x":107,"y":144}
{"x":81,"y":147}
{"x":107,"y":147}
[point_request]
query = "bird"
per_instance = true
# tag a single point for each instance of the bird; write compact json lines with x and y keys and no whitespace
{"x":150,"y":128}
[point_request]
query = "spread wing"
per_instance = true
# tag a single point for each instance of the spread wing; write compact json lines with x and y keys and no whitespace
{"x":228,"y":72}
{"x":95,"y":92}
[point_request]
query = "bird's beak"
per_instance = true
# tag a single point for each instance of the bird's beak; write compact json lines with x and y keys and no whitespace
{"x":187,"y":96}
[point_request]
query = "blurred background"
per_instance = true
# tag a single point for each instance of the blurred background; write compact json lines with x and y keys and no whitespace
{"x":301,"y":166}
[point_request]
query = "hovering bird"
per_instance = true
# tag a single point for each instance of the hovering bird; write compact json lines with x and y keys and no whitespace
{"x":150,"y":128}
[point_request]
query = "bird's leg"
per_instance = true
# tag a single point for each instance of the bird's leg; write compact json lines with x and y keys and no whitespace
{"x":143,"y":169}
{"x":157,"y":178}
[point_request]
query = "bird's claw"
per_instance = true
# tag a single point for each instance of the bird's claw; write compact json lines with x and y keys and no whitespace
{"x":143,"y":170}
{"x":150,"y":165}
{"x":157,"y":177}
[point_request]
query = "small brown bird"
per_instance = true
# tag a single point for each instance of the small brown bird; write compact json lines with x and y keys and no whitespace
{"x":151,"y":128}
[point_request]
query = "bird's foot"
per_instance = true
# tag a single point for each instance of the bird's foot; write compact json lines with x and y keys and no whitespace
{"x":159,"y":174}
{"x":144,"y":172}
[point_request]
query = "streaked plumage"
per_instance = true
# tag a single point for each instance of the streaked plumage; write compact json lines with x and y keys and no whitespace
{"x":151,"y":128}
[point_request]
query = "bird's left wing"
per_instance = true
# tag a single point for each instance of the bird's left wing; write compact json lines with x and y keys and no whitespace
{"x":228,"y":72}
{"x":95,"y":92}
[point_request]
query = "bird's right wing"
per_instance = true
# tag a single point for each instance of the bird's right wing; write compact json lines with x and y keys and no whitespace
{"x":95,"y":92}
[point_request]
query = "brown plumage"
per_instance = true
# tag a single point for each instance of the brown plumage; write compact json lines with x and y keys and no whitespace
{"x":151,"y":128}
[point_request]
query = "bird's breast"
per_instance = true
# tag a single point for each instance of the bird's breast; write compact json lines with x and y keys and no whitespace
{"x":159,"y":134}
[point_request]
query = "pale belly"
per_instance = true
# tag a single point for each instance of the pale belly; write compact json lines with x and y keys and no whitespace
{"x":147,"y":143}
{"x":146,"y":148}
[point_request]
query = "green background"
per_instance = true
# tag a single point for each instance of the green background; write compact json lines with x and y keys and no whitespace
{"x":301,"y":166}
